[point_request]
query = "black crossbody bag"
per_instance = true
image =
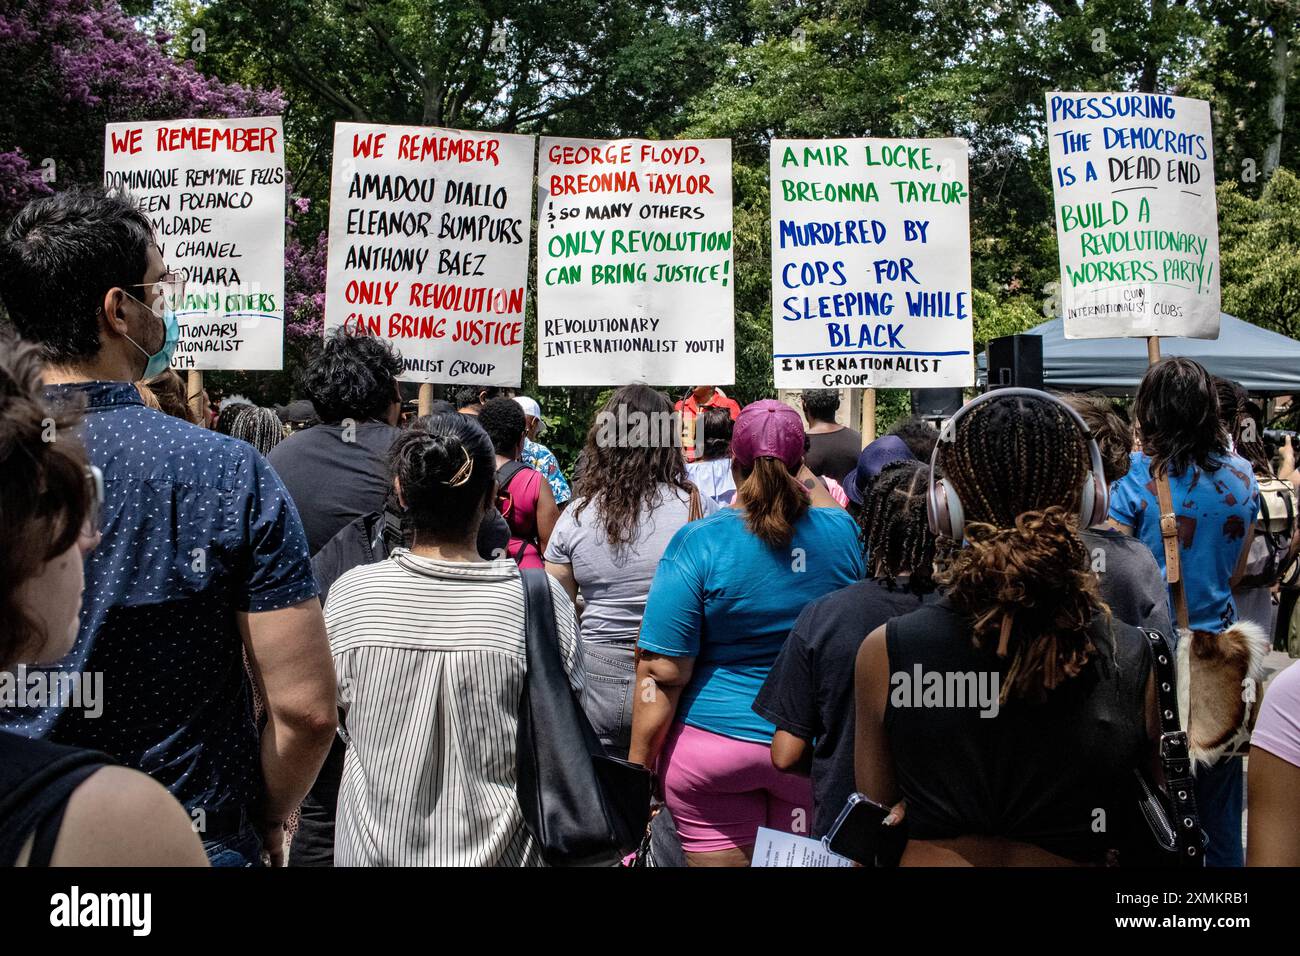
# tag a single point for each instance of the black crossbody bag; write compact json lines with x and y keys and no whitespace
{"x":582,"y":806}
{"x":1172,"y":835}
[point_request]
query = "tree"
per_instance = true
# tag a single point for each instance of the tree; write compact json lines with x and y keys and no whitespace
{"x":1260,"y":253}
{"x":68,"y":67}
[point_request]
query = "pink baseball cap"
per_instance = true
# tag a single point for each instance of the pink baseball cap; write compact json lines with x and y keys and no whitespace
{"x":768,"y":429}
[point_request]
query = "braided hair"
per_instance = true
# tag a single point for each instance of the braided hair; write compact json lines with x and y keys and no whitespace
{"x":260,"y":427}
{"x":1025,"y":578}
{"x":895,"y":529}
{"x":230,"y":411}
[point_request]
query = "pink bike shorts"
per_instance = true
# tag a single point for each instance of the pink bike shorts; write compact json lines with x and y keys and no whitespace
{"x":721,"y":790}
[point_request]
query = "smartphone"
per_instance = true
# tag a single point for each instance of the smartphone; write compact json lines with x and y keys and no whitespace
{"x":859,"y":833}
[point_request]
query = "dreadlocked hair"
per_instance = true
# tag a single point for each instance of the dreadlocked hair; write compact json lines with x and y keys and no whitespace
{"x":895,"y":529}
{"x":621,"y":475}
{"x":1025,"y":576}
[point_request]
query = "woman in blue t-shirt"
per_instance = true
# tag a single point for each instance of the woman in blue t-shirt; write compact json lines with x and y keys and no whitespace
{"x":1215,"y":498}
{"x":722,"y":603}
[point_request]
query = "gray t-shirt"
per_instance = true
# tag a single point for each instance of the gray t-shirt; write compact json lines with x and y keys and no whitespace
{"x":1131,"y":581}
{"x":616,"y":581}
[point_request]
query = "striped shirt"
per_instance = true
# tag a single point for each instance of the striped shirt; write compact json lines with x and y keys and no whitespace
{"x":430,"y":658}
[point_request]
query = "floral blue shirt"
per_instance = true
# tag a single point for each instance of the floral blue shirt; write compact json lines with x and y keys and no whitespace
{"x":1214,"y":510}
{"x":540,"y":458}
{"x":197,"y":527}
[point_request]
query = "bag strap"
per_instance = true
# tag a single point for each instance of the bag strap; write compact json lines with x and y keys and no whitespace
{"x":506,"y":473}
{"x":1175,"y":757}
{"x":1243,"y":559}
{"x":1173,"y":566}
{"x":542,"y":642}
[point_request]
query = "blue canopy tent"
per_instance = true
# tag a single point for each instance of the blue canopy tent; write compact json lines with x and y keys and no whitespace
{"x":1265,"y":362}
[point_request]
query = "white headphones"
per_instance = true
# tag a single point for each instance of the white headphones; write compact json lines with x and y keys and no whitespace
{"x":943,"y":504}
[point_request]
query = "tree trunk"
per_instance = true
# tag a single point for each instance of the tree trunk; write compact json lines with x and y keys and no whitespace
{"x":1277,"y":102}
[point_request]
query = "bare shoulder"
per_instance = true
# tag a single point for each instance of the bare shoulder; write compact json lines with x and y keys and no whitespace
{"x":121,"y":817}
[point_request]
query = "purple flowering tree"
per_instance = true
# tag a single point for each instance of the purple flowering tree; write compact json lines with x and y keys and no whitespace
{"x":67,"y":67}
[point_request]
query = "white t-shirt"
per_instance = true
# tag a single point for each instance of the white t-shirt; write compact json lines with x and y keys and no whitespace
{"x":713,"y":478}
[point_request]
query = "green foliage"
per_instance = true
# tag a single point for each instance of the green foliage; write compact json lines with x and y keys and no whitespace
{"x":1260,"y":253}
{"x":752,"y":70}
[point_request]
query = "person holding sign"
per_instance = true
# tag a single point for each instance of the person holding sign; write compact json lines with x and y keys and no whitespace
{"x":720,"y":608}
{"x":203,"y":554}
{"x":689,"y":407}
{"x":1215,"y":500}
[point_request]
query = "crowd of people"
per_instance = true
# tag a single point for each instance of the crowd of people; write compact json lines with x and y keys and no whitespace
{"x":298,"y":635}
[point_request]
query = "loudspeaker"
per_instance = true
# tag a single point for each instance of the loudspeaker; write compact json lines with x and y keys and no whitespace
{"x":935,"y":402}
{"x":1016,"y":361}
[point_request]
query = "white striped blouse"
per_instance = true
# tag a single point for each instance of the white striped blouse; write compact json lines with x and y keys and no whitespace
{"x":430,"y":662}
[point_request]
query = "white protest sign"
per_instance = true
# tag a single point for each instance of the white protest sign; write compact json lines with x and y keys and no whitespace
{"x":214,"y":191}
{"x":634,"y":267}
{"x":428,"y":247}
{"x":1137,"y":222}
{"x":871,"y":283}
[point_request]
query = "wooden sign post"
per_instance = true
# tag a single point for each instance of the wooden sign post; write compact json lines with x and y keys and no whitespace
{"x":194,"y":395}
{"x":1153,"y":349}
{"x":426,"y":398}
{"x":868,"y":416}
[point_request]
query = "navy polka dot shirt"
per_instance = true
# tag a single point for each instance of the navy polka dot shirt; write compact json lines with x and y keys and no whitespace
{"x":197,"y":527}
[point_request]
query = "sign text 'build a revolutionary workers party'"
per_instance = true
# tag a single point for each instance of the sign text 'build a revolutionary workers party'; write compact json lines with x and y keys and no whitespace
{"x":214,"y":191}
{"x":871,"y":283}
{"x":1136,"y":216}
{"x":634,"y":266}
{"x":428,"y":247}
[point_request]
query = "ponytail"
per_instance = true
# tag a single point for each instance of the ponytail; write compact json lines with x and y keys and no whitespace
{"x":773,"y":501}
{"x":1032,"y":596}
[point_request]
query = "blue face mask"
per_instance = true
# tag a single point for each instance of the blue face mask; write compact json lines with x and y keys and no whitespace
{"x":161,"y":360}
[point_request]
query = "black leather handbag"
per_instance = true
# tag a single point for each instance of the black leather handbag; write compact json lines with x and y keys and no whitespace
{"x":1169,"y":830}
{"x":582,"y":806}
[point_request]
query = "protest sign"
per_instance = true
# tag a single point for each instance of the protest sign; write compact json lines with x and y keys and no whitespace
{"x":214,"y":191}
{"x":428,"y":247}
{"x":1137,"y":222}
{"x":634,"y":268}
{"x":871,"y":263}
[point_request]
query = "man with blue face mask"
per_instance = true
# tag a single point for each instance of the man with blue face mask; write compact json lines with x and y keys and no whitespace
{"x":203,"y":555}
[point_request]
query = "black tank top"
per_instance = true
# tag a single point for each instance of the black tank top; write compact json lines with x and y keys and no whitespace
{"x":1057,"y":774}
{"x":36,"y":779}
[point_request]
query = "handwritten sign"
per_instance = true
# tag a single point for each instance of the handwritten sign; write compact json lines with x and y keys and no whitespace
{"x":871,"y":281}
{"x":428,"y":247}
{"x":634,"y":266}
{"x":214,"y":191}
{"x":1137,"y":222}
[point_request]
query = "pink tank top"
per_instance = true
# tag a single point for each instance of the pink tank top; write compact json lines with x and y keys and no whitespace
{"x":524,"y":489}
